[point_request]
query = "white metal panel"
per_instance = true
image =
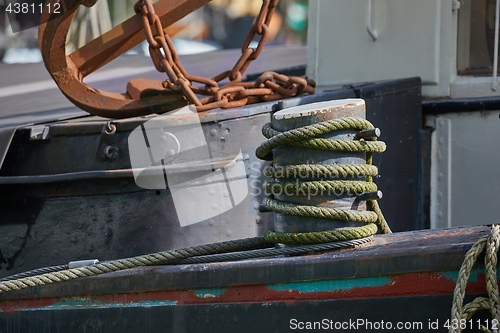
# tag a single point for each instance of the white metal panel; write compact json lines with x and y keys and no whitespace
{"x":464,"y":175}
{"x":441,"y":173}
{"x":413,"y":38}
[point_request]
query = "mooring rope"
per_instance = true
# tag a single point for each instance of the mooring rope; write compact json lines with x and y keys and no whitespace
{"x":461,"y":313}
{"x":257,"y":247}
{"x":159,"y":258}
{"x":272,"y":252}
{"x":306,"y":137}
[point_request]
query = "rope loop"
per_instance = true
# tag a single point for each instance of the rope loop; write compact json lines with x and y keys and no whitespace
{"x":461,"y":312}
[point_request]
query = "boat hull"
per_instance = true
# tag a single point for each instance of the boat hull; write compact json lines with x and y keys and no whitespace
{"x":406,"y":277}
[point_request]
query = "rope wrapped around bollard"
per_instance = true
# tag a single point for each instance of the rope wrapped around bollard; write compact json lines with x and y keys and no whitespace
{"x":307,"y":137}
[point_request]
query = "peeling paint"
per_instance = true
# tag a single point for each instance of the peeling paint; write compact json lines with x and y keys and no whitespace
{"x":404,"y":285}
{"x":79,"y":303}
{"x":209,"y":293}
{"x":332,"y":285}
{"x":474,"y":274}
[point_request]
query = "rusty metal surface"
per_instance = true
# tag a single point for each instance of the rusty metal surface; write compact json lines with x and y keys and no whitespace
{"x":269,"y":86}
{"x":146,"y":97}
{"x":68,"y":71}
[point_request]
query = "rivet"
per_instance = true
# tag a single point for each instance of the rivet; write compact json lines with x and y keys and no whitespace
{"x":440,"y":155}
{"x":111,"y":152}
{"x":376,"y":195}
{"x":369,"y":133}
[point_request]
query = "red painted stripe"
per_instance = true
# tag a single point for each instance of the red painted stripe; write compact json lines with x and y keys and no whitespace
{"x":416,"y":284}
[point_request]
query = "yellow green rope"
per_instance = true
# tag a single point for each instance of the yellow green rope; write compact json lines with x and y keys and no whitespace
{"x":306,"y":137}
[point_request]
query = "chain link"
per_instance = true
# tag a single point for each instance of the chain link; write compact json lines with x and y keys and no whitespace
{"x":268,"y":87}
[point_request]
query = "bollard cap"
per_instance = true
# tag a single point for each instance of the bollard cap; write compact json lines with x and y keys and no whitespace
{"x":314,"y":113}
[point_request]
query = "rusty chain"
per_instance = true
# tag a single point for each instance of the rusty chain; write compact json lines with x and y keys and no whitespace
{"x":268,"y":87}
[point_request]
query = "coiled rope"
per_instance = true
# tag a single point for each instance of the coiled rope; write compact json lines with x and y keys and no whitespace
{"x":461,"y":313}
{"x":307,"y":137}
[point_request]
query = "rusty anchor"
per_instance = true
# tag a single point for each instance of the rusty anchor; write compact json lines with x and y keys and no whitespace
{"x":145,"y":96}
{"x":68,"y":71}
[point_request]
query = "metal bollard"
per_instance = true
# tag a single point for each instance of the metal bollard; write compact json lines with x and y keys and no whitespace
{"x":296,"y":117}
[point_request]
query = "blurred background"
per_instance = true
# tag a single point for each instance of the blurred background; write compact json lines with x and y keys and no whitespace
{"x":221,"y":24}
